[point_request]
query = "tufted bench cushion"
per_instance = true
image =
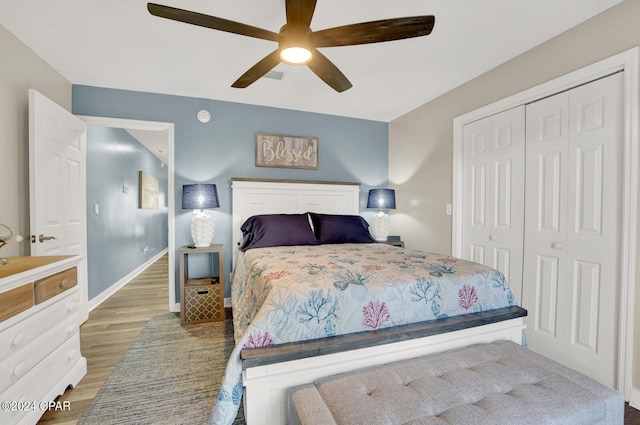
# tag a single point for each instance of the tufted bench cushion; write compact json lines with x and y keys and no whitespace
{"x":488,"y":384}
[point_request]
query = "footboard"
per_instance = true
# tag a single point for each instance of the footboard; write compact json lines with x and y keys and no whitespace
{"x":269,"y":372}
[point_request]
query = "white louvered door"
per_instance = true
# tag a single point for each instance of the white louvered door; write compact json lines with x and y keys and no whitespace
{"x":493,"y":189}
{"x":572,"y":226}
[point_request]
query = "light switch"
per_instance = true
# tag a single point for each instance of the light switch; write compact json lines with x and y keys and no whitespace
{"x":96,"y":209}
{"x":449,"y":209}
{"x":125,"y":189}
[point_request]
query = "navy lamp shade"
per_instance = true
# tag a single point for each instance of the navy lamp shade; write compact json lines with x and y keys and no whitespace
{"x":197,"y":197}
{"x":382,"y":199}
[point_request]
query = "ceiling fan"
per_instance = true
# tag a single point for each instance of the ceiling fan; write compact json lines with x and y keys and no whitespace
{"x":298,"y":44}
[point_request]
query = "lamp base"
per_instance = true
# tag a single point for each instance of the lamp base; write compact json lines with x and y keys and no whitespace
{"x":380,"y":227}
{"x":202,"y":228}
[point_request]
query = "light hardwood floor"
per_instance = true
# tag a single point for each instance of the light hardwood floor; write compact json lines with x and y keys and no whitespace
{"x":109,"y":332}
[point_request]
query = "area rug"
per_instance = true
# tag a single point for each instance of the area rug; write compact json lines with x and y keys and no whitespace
{"x":169,"y":375}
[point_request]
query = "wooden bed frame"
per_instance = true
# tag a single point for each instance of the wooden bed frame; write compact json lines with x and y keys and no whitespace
{"x":268,"y":372}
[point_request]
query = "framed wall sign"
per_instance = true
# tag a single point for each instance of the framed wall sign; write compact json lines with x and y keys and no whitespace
{"x":286,"y":151}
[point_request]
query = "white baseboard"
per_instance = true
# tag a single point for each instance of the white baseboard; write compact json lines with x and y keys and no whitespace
{"x":104,"y":295}
{"x":634,"y":398}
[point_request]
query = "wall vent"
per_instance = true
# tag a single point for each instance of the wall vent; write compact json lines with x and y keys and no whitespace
{"x":274,"y":75}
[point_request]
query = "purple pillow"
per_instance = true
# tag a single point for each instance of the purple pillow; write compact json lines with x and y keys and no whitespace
{"x":260,"y":231}
{"x":330,"y":228}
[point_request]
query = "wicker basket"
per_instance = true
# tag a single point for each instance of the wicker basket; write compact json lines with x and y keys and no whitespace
{"x":203,"y":302}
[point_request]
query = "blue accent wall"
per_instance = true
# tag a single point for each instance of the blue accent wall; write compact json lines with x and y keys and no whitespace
{"x":352,"y":150}
{"x":118,"y":235}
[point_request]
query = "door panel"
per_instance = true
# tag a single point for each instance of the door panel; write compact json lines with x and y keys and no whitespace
{"x":589,"y":193}
{"x":546,"y":296}
{"x":57,"y":187}
{"x":549,"y":190}
{"x":586,"y":290}
{"x":504,"y":194}
{"x":572,"y":226}
{"x":479,"y":194}
{"x":493,"y":184}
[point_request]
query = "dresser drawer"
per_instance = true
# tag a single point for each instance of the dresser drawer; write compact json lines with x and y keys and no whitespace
{"x":37,"y":384}
{"x":14,"y":368}
{"x":26,"y":332}
{"x":16,"y":301}
{"x":55,"y":284}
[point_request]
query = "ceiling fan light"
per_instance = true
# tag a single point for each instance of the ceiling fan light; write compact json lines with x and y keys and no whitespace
{"x":295,"y":55}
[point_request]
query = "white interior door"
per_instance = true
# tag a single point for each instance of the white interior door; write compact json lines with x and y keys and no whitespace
{"x":572,"y":226}
{"x":493,"y":155}
{"x":57,"y":184}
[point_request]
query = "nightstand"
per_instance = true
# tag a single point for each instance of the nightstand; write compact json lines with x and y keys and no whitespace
{"x":201,"y":299}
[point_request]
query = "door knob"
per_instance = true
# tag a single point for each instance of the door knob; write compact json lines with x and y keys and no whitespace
{"x":556,"y":245}
{"x":43,"y":238}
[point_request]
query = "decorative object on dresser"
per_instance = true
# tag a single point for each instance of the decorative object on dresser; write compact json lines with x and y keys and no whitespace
{"x":277,"y":151}
{"x":202,"y":299}
{"x":382,"y":199}
{"x":39,"y":334}
{"x":5,"y":234}
{"x":198,"y":197}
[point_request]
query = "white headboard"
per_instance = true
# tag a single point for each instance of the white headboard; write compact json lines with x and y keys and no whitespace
{"x":252,"y":197}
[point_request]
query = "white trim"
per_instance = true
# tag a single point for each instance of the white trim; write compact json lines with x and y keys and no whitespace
{"x":634,"y":398}
{"x":103,"y":296}
{"x":629,"y":62}
{"x":169,"y":129}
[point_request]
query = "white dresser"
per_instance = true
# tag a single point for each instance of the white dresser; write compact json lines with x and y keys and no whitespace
{"x":39,"y":335}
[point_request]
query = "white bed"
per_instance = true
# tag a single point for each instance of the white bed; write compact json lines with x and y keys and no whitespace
{"x":270,"y":371}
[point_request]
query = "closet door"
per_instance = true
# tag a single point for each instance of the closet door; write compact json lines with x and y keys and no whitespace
{"x":572,"y":226}
{"x":494,"y":194}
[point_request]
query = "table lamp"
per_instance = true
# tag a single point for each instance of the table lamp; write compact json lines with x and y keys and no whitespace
{"x":198,"y":197}
{"x":383,"y":199}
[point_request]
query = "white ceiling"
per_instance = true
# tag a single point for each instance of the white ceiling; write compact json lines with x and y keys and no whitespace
{"x":118,"y":44}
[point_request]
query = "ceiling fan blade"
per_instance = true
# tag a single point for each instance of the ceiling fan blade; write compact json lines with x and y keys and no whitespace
{"x":374,"y":31}
{"x":300,"y":12}
{"x":212,"y":22}
{"x":328,"y":72}
{"x":258,"y":70}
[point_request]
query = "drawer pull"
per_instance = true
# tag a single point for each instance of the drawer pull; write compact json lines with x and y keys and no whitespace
{"x":72,"y":354}
{"x":203,"y":292}
{"x":18,"y":340}
{"x":71,"y":307}
{"x":63,"y":284}
{"x":70,"y":330}
{"x":19,"y":369}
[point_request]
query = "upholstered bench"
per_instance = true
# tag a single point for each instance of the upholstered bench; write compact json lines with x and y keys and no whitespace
{"x":488,"y":384}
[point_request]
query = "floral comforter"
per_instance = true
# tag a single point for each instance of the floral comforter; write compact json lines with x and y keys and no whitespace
{"x":287,"y":294}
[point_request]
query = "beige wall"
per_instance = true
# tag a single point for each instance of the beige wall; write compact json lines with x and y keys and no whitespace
{"x":21,"y":70}
{"x":420,"y":142}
